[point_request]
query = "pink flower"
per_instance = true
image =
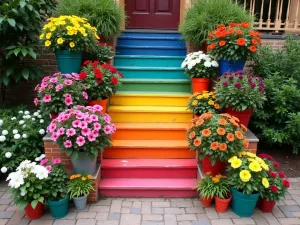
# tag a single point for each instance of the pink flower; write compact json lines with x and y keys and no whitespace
{"x":98,"y":108}
{"x":43,"y":162}
{"x":54,"y":80}
{"x":56,"y":161}
{"x":107,"y":118}
{"x":50,"y":86}
{"x":85,"y":131}
{"x":95,"y":132}
{"x":68,"y":95}
{"x":59,"y":87}
{"x":94,"y":117}
{"x":45,"y":79}
{"x":36,"y":101}
{"x":69,"y":76}
{"x":47,"y":98}
{"x":83,"y":125}
{"x":68,"y":82}
{"x":76,"y":123}
{"x":71,"y":132}
{"x":66,"y":116}
{"x":68,"y":101}
{"x":43,"y":85}
{"x":88,"y":119}
{"x":92,"y":137}
{"x":61,"y":131}
{"x":51,"y":128}
{"x":79,"y":116}
{"x":49,"y":168}
{"x":97,"y":126}
{"x":85,"y":95}
{"x":107,"y":129}
{"x":56,"y":74}
{"x":68,"y":144}
{"x":54,"y":136}
{"x":36,"y":87}
{"x":80,"y":141}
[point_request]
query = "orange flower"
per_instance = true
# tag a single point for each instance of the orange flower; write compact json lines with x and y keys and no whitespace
{"x":246,"y":143}
{"x":230,"y":137}
{"x":252,"y":48}
{"x":223,"y":34}
{"x":220,"y":26}
{"x":210,"y":35}
{"x":197,"y":142}
{"x":206,"y":116}
{"x":199,"y":122}
{"x":232,"y":24}
{"x":217,"y":106}
{"x":221,"y":131}
{"x":218,"y":34}
{"x":223,"y":147}
{"x":206,"y":132}
{"x":253,"y":33}
{"x":222,"y":43}
{"x":241,"y":42}
{"x":239,"y":135}
{"x":235,"y":124}
{"x":254,"y":42}
{"x":239,"y":32}
{"x":243,"y":127}
{"x":214,"y":145}
{"x":192,"y":135}
{"x":235,"y":118}
{"x":222,"y":122}
{"x":230,"y":31}
{"x":225,"y":115}
{"x":213,"y":45}
{"x":245,"y":25}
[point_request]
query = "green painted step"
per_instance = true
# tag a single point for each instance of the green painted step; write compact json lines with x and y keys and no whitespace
{"x":148,"y":61}
{"x":156,"y":85}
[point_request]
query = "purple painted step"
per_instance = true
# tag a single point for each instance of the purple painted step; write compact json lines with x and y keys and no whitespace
{"x":149,"y":168}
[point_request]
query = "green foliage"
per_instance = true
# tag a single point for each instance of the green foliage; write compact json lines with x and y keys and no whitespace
{"x":20,"y":24}
{"x":204,"y":16}
{"x":103,"y":52}
{"x":80,"y":185}
{"x":106,"y":15}
{"x":204,"y":187}
{"x":203,"y":102}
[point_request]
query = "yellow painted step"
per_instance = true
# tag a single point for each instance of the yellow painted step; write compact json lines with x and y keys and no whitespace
{"x":150,"y":99}
{"x":149,"y":114}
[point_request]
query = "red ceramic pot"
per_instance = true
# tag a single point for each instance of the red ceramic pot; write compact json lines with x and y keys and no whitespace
{"x":35,"y":213}
{"x":266,"y":205}
{"x":222,"y":204}
{"x":206,"y":201}
{"x":102,"y":103}
{"x":200,"y":84}
{"x":216,"y":169}
{"x":243,"y":116}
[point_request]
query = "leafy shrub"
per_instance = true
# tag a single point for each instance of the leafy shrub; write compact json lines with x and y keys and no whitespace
{"x":105,"y":15}
{"x":204,"y":16}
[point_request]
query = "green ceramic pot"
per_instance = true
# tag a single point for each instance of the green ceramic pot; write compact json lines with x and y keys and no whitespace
{"x":68,"y":61}
{"x":59,"y":209}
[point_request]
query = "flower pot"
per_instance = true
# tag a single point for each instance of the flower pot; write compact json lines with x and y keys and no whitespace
{"x":266,"y":205}
{"x":68,"y":61}
{"x":59,"y":209}
{"x":200,"y":84}
{"x":230,"y":66}
{"x":102,"y":103}
{"x":36,"y":213}
{"x":53,"y":115}
{"x":206,"y":201}
{"x":84,"y":164}
{"x":216,"y":169}
{"x":222,"y":204}
{"x":243,"y":204}
{"x":110,"y":60}
{"x":80,"y":202}
{"x":243,"y":116}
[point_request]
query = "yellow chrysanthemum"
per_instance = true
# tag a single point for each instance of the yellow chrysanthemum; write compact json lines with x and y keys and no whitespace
{"x":48,"y":35}
{"x":245,"y":175}
{"x":42,"y":36}
{"x":47,"y":43}
{"x":205,"y":95}
{"x":195,"y":102}
{"x":264,"y":166}
{"x":255,"y":166}
{"x":83,"y":178}
{"x":236,"y":163}
{"x":252,"y":155}
{"x":211,"y":102}
{"x":265,"y":182}
{"x":232,"y":158}
{"x":72,"y":44}
{"x":60,"y":41}
{"x":199,"y":97}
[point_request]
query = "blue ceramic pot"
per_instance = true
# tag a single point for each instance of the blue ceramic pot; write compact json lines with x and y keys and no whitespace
{"x":230,"y":66}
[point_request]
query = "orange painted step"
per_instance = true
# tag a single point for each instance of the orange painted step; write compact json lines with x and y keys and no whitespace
{"x":150,"y":131}
{"x":149,"y":149}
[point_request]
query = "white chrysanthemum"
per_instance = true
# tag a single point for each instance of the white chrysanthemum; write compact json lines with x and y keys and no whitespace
{"x":16,"y":179}
{"x":35,"y":113}
{"x":13,"y":118}
{"x":20,"y":112}
{"x":42,"y":121}
{"x":21,"y":122}
{"x":15,"y":131}
{"x":3,"y":169}
{"x":26,"y":112}
{"x":40,"y":172}
{"x":5,"y":132}
{"x":39,"y":116}
{"x":207,"y":64}
{"x":214,"y":63}
{"x":17,"y":136}
{"x":207,"y":58}
{"x":202,"y":56}
{"x":33,"y":119}
{"x":24,"y":136}
{"x":8,"y":155}
{"x":42,"y":131}
{"x":2,"y":138}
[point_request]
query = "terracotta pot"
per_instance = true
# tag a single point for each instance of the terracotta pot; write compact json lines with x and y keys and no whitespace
{"x":221,"y":205}
{"x":53,"y":115}
{"x":36,"y":213}
{"x":200,"y":84}
{"x":217,"y":168}
{"x":102,"y":103}
{"x":266,"y":205}
{"x":206,"y":201}
{"x":243,"y":116}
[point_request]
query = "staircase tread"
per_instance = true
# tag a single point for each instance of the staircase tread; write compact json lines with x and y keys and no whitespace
{"x":151,"y":47}
{"x":158,"y":109}
{"x":148,"y":163}
{"x":151,"y":37}
{"x":134,"y":80}
{"x":150,"y":144}
{"x":148,"y":126}
{"x":148,"y":68}
{"x":148,"y":183}
{"x":150,"y":56}
{"x":153,"y":94}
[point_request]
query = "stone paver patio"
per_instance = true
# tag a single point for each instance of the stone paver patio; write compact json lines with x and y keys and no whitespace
{"x":156,"y":211}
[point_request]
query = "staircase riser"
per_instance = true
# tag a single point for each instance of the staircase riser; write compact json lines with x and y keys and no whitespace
{"x":149,"y":135}
{"x":148,"y":101}
{"x":144,"y":62}
{"x":150,"y":42}
{"x":147,"y":35}
{"x":148,"y":173}
{"x":141,"y":117}
{"x":156,"y":87}
{"x":153,"y":74}
{"x":145,"y":51}
{"x":149,"y":193}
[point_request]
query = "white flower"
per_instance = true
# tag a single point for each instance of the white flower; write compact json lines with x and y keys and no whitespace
{"x":214,"y":63}
{"x":207,"y":64}
{"x":2,"y":138}
{"x":24,"y":126}
{"x":24,"y":136}
{"x":26,"y":112}
{"x":202,"y":56}
{"x":207,"y":58}
{"x":41,"y":121}
{"x":20,"y":112}
{"x":27,"y":117}
{"x":15,"y":131}
{"x":3,"y":169}
{"x":1,"y":122}
{"x":39,"y":116}
{"x":42,"y":131}
{"x":17,"y":136}
{"x":37,"y":159}
{"x":40,"y":172}
{"x":39,"y":111}
{"x":33,"y":119}
{"x":16,"y":179}
{"x":8,"y":155}
{"x":21,"y":122}
{"x":36,"y":114}
{"x":5,"y":132}
{"x":42,"y":156}
{"x":13,"y":118}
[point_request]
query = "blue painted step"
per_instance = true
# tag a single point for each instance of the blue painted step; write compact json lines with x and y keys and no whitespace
{"x":150,"y":50}
{"x":148,"y":61}
{"x":150,"y":41}
{"x":153,"y":72}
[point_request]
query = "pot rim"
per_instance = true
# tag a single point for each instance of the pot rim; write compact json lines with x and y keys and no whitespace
{"x":224,"y":200}
{"x":59,"y":201}
{"x":79,"y":198}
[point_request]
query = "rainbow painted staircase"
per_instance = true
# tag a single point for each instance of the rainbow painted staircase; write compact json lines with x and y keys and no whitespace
{"x":150,"y":156}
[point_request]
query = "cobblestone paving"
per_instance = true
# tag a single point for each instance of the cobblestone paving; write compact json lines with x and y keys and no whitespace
{"x":157,"y":211}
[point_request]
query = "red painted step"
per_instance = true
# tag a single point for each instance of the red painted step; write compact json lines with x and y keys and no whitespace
{"x":171,"y":188}
{"x":149,"y":168}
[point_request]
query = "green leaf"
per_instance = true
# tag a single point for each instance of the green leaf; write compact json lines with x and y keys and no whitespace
{"x":32,"y":54}
{"x":1,"y":19}
{"x":11,"y":22}
{"x":24,"y":51}
{"x":17,"y":51}
{"x":41,"y":199}
{"x":25,"y":73}
{"x":11,"y":47}
{"x":34,"y":203}
{"x":20,"y":26}
{"x":30,"y":7}
{"x":22,"y":4}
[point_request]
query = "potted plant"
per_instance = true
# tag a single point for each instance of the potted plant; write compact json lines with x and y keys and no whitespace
{"x":68,"y":36}
{"x":204,"y":187}
{"x":59,"y":92}
{"x":278,"y":185}
{"x":101,"y":81}
{"x":216,"y":137}
{"x":102,"y":53}
{"x":232,"y":45}
{"x":222,"y":193}
{"x":79,"y":188}
{"x":200,"y":68}
{"x":240,"y":93}
{"x":203,"y":102}
{"x":81,"y":132}
{"x":28,"y":188}
{"x":57,"y":198}
{"x":247,"y":176}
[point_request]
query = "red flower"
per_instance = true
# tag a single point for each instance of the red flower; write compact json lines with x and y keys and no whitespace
{"x":99,"y":81}
{"x":114,"y":81}
{"x":95,"y":63}
{"x":286,"y":183}
{"x":82,"y":75}
{"x":262,"y":156}
{"x":86,"y":62}
{"x":245,"y":24}
{"x":241,"y":42}
{"x":281,"y":174}
{"x":252,"y":48}
{"x":276,"y":164}
{"x":273,"y":174}
{"x":232,"y":24}
{"x":269,"y":157}
{"x":274,"y":188}
{"x":120,"y":74}
{"x":113,"y":69}
{"x":99,"y":75}
{"x":239,"y":32}
{"x":96,"y":70}
{"x":222,"y":43}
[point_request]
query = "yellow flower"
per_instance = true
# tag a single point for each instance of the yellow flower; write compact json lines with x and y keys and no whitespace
{"x":72,"y":177}
{"x":42,"y":36}
{"x":255,"y":166}
{"x":69,"y":28}
{"x":245,"y":175}
{"x":70,"y":32}
{"x":72,"y":44}
{"x":47,"y":43}
{"x":199,"y":97}
{"x":236,"y":163}
{"x":78,"y":175}
{"x":195,"y":102}
{"x":205,"y":95}
{"x":264,"y":166}
{"x":90,"y":177}
{"x":83,"y":178}
{"x":265,"y":182}
{"x":252,"y":155}
{"x":232,"y":158}
{"x":215,"y":180}
{"x":211,"y":102}
{"x":53,"y":28}
{"x":48,"y":35}
{"x":60,"y":41}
